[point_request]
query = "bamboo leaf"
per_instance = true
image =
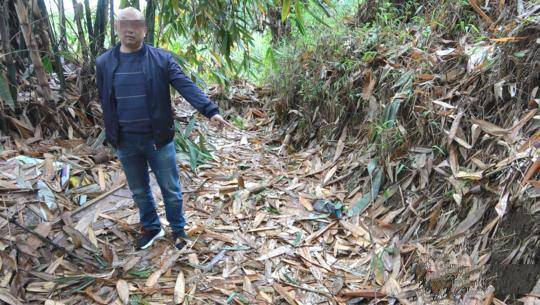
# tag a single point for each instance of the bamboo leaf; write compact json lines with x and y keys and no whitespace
{"x":376,"y":184}
{"x":360,"y":205}
{"x":193,"y":156}
{"x":299,"y":11}
{"x":123,"y":291}
{"x":179,"y":288}
{"x":390,"y":113}
{"x":5,"y":95}
{"x":285,"y":10}
{"x":269,"y":57}
{"x":314,"y":15}
{"x":322,"y":7}
{"x":404,"y":80}
{"x":189,"y":127}
{"x":300,"y":26}
{"x":47,"y":65}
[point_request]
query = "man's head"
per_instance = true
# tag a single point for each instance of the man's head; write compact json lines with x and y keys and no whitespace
{"x":131,"y":27}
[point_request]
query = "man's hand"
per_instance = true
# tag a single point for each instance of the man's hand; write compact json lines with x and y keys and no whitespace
{"x":220,"y":122}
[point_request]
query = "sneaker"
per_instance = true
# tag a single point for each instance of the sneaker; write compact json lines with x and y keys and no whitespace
{"x":180,"y":239}
{"x":147,"y":238}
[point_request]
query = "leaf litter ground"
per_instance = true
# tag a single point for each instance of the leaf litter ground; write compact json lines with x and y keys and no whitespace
{"x":266,"y":226}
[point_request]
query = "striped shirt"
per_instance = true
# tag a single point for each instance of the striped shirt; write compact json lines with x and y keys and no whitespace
{"x":130,"y":93}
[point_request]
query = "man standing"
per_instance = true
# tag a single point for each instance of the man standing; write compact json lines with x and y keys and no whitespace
{"x":133,"y":81}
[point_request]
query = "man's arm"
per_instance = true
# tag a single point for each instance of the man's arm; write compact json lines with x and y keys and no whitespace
{"x":189,"y":90}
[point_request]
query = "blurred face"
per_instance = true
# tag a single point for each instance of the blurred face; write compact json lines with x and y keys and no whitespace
{"x":131,"y":30}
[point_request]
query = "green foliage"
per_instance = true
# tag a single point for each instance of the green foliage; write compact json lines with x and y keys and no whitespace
{"x":196,"y":152}
{"x":320,"y":76}
{"x":218,"y":37}
{"x":79,"y":283}
{"x":47,"y":64}
{"x":137,"y":299}
{"x":141,"y":273}
{"x":239,"y":122}
{"x":272,"y":210}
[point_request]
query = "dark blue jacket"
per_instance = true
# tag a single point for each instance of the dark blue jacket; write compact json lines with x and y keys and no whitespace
{"x":160,"y":70}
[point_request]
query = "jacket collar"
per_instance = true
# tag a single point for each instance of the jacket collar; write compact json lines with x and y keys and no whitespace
{"x":116,"y":50}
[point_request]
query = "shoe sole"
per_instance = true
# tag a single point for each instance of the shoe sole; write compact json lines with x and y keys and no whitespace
{"x":158,"y":236}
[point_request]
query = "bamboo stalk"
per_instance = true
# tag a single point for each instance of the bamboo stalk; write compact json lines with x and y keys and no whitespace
{"x":77,"y":7}
{"x":8,"y":58}
{"x":63,"y":35}
{"x":150,"y":20}
{"x":22,"y":14}
{"x":54,"y":44}
{"x":37,"y":19}
{"x":111,"y":19}
{"x":89,"y":28}
{"x":100,"y":24}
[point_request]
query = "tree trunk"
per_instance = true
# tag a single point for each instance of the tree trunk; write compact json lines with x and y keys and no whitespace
{"x":22,"y":14}
{"x":100,"y":25}
{"x":150,"y":20}
{"x":37,"y":21}
{"x":278,"y":29}
{"x":8,"y":58}
{"x":63,"y":35}
{"x":56,"y":61}
{"x":85,"y":71}
{"x":77,"y":7}
{"x":90,"y":29}
{"x":111,"y":20}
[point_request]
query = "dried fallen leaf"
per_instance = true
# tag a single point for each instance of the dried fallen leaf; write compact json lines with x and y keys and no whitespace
{"x":502,"y":205}
{"x":52,"y":302}
{"x":517,"y":127}
{"x":455,"y":126}
{"x":131,"y":263}
{"x":443,"y":104}
{"x":354,"y":229}
{"x":122,"y":288}
{"x":469,"y":176}
{"x":101,"y":179}
{"x":329,"y":175}
{"x":490,"y":128}
{"x":475,"y":133}
{"x":453,"y":160}
{"x":156,"y":275}
{"x":275,"y":252}
{"x":533,"y":169}
{"x":285,"y":294}
{"x":179,"y":288}
{"x":476,"y":212}
{"x":369,"y":84}
{"x":305,"y":202}
{"x":7,"y":297}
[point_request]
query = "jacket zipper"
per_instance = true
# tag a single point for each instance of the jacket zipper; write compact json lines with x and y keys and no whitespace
{"x":111,"y":100}
{"x":148,"y":82}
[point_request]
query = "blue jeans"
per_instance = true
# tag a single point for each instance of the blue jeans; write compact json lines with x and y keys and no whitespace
{"x":136,"y":152}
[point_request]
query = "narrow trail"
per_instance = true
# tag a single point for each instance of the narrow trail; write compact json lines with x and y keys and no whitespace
{"x":258,"y":234}
{"x":264,"y":228}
